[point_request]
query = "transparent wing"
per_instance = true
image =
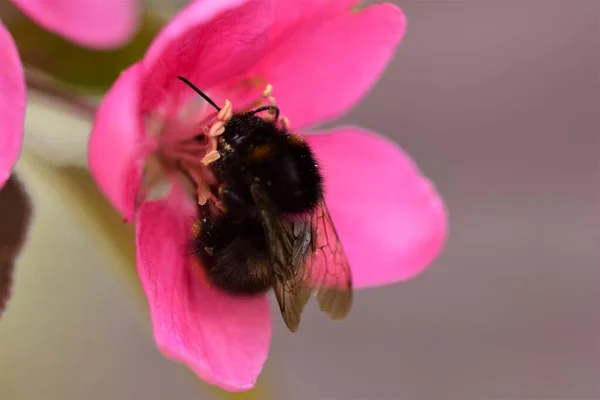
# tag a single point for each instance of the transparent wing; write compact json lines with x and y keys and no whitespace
{"x":289,"y":242}
{"x":292,"y":300}
{"x":317,"y":265}
{"x":307,"y":258}
{"x":327,"y":267}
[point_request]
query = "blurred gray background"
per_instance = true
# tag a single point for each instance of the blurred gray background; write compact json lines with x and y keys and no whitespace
{"x":499,"y":103}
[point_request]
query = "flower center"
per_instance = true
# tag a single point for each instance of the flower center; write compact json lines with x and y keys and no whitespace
{"x":182,"y":143}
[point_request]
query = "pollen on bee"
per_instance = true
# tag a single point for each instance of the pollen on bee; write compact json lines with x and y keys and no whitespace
{"x":261,"y":152}
{"x":195,"y":229}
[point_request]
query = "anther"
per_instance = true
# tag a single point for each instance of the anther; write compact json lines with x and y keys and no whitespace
{"x":211,"y":157}
{"x":225,"y":112}
{"x":202,"y":198}
{"x":267,"y":91}
{"x":285,"y":122}
{"x":216,"y":129}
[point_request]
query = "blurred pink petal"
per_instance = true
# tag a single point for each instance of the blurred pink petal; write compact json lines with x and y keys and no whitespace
{"x":390,"y":219}
{"x":99,"y":24}
{"x":322,"y":65}
{"x":208,"y":42}
{"x":290,"y":13}
{"x":114,"y":151}
{"x":12,"y":104}
{"x":224,"y":339}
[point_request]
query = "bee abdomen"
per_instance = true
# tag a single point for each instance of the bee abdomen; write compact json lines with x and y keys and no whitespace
{"x":235,"y":256}
{"x":236,"y":271}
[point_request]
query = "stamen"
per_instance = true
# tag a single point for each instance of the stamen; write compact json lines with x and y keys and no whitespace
{"x":267,"y":91}
{"x":216,"y":129}
{"x":187,"y":141}
{"x":225,"y":113}
{"x":272,"y":102}
{"x":202,"y":189}
{"x":211,"y":157}
{"x":266,"y":94}
{"x":285,"y":122}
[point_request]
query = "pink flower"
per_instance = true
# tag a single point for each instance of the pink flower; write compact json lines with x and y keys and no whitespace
{"x":12,"y":104}
{"x":91,"y":23}
{"x":100,"y":24}
{"x":320,"y":57}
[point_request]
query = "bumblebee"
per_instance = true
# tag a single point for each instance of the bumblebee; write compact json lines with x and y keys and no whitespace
{"x":268,"y":226}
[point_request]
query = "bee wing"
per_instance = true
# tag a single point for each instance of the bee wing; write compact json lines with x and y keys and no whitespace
{"x":327,"y":266}
{"x":291,"y":299}
{"x":288,"y":245}
{"x":307,"y":258}
{"x":317,"y":264}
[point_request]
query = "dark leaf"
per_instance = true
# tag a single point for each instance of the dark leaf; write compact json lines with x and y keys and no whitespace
{"x":15,"y":213}
{"x":80,"y":69}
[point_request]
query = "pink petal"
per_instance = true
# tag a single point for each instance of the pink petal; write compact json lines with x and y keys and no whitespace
{"x":12,"y":104}
{"x":293,"y":12}
{"x":390,"y":219}
{"x":99,"y":24}
{"x":114,"y":152}
{"x":224,"y":339}
{"x":207,"y":42}
{"x":322,"y":66}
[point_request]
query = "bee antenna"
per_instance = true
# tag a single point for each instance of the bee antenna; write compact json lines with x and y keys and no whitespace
{"x":265,"y":108}
{"x":200,"y":92}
